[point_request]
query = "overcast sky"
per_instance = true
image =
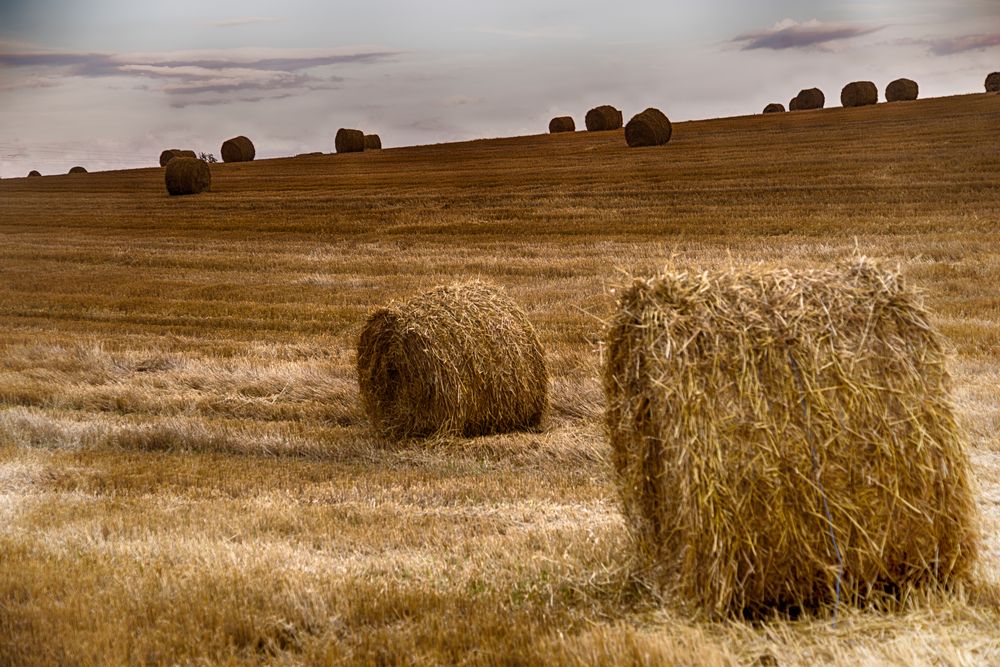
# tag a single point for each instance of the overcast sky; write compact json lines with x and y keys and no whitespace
{"x":109,"y":83}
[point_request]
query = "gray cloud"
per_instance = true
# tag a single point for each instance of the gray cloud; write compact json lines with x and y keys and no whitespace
{"x":946,"y":46}
{"x":244,"y":20}
{"x":790,"y":34}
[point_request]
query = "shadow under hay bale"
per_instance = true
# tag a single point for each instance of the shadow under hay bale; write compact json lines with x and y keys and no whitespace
{"x":373,"y":142}
{"x":238,"y":149}
{"x":774,"y":107}
{"x":603,"y":118}
{"x":902,"y":90}
{"x":562,"y":124}
{"x":773,"y":430}
{"x":349,"y":141}
{"x":649,"y":128}
{"x":458,"y":360}
{"x":33,"y":172}
{"x":187,"y":176}
{"x":859,"y":94}
{"x":169,"y":154}
{"x":993,"y":83}
{"x":77,"y":170}
{"x":808,"y":99}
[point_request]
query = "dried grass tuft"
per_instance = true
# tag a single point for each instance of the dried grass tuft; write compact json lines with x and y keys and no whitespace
{"x":460,"y":359}
{"x":768,"y":426}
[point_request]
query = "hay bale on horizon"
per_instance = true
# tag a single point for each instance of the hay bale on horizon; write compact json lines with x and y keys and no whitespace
{"x":562,"y":124}
{"x":603,"y":118}
{"x":187,"y":176}
{"x":648,"y":128}
{"x":752,"y":413}
{"x":462,"y":359}
{"x":349,"y":141}
{"x":33,"y":173}
{"x":859,"y":94}
{"x":993,"y":83}
{"x":313,"y":154}
{"x":808,"y":99}
{"x":902,"y":90}
{"x":169,"y":154}
{"x":373,"y":142}
{"x":77,"y":170}
{"x":238,"y":149}
{"x":774,"y":107}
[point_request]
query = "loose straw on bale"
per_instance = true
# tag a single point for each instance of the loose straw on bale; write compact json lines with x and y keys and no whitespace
{"x":786,"y":439}
{"x":349,"y":141}
{"x":169,"y":154}
{"x":562,"y":124}
{"x":238,"y":149}
{"x":649,"y":128}
{"x":187,"y":176}
{"x":604,"y":117}
{"x":458,"y":360}
{"x":902,"y":90}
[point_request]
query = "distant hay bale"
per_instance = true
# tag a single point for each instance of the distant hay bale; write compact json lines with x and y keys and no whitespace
{"x":993,"y":83}
{"x":902,"y":90}
{"x":764,"y":422}
{"x":859,"y":94}
{"x":187,"y":176}
{"x":649,"y":128}
{"x":603,"y":118}
{"x":238,"y":149}
{"x":313,"y":154}
{"x":562,"y":124}
{"x":373,"y":142}
{"x":169,"y":154}
{"x":349,"y":141}
{"x":77,"y":170}
{"x":33,"y":173}
{"x":774,"y":107}
{"x":460,"y":359}
{"x":810,"y":98}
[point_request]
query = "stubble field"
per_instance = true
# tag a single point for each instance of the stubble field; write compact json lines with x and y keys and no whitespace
{"x":186,"y":475}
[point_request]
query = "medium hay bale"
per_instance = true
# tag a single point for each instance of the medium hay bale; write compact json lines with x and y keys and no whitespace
{"x":649,"y":128}
{"x":859,"y":94}
{"x":603,"y":118}
{"x":169,"y":154}
{"x":774,"y":107}
{"x":77,"y":170}
{"x":810,"y":98}
{"x":373,"y":142}
{"x":902,"y":90}
{"x":460,"y":359}
{"x":187,"y":176}
{"x":238,"y":149}
{"x":349,"y":141}
{"x":33,"y":172}
{"x":993,"y":83}
{"x":753,"y":415}
{"x":562,"y":124}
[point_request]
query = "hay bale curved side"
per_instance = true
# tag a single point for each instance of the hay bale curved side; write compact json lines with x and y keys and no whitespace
{"x":902,"y":90}
{"x":373,"y":142}
{"x":77,"y":170}
{"x":169,"y":154}
{"x":238,"y":149}
{"x":648,"y":128}
{"x":859,"y":94}
{"x":349,"y":141}
{"x":739,"y":404}
{"x":993,"y":83}
{"x":461,"y":359}
{"x":187,"y":176}
{"x":774,"y":107}
{"x":562,"y":124}
{"x":33,"y":173}
{"x":603,"y":118}
{"x":808,"y":99}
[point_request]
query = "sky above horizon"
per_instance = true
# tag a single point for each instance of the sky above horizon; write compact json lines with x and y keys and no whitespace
{"x":109,"y":83}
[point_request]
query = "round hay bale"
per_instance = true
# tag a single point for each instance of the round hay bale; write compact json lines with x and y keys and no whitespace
{"x":774,"y":107}
{"x":77,"y":170}
{"x":169,"y":154}
{"x":349,"y":141}
{"x":461,"y":359}
{"x":993,"y":83}
{"x":313,"y":154}
{"x":810,"y":98}
{"x":373,"y":142}
{"x":33,"y":172}
{"x":603,"y":118}
{"x":562,"y":124}
{"x":187,"y":176}
{"x":649,"y":128}
{"x":770,"y":430}
{"x":238,"y":149}
{"x":859,"y":94}
{"x":902,"y":90}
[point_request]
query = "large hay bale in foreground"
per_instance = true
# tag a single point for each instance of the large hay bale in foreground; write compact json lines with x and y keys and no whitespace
{"x":349,"y":141}
{"x":753,"y":415}
{"x":33,"y":172}
{"x":77,"y":170}
{"x":562,"y":124}
{"x":238,"y":149}
{"x":373,"y":142}
{"x":859,"y":94}
{"x":810,"y":98}
{"x":169,"y":154}
{"x":993,"y":83}
{"x":902,"y":90}
{"x":602,"y":118}
{"x":461,"y":359}
{"x":187,"y":176}
{"x":774,"y":107}
{"x":649,"y":128}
